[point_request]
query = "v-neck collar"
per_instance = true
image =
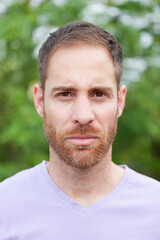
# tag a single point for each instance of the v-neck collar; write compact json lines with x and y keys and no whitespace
{"x":63,"y":197}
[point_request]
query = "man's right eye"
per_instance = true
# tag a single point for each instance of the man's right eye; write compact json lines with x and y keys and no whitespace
{"x":64,"y":94}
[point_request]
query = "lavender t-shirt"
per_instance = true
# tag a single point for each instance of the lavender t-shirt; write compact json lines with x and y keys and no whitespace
{"x":32,"y":207}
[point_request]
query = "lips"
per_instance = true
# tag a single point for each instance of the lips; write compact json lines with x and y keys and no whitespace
{"x":82,"y":139}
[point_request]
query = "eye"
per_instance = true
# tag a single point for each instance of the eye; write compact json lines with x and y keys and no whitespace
{"x":65,"y":94}
{"x":101,"y":94}
{"x":98,"y":94}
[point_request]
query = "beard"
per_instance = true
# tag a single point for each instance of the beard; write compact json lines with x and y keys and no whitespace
{"x":80,"y":156}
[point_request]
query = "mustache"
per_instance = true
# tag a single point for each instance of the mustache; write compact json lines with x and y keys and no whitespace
{"x":83,"y":130}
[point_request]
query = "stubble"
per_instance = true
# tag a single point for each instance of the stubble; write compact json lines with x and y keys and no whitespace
{"x":80,"y":157}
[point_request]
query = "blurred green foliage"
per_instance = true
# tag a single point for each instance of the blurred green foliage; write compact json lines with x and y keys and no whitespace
{"x":23,"y":26}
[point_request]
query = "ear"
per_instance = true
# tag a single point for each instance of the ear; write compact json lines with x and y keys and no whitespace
{"x":121,"y":99}
{"x":38,"y":99}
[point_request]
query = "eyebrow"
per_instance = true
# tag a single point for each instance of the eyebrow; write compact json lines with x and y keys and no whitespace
{"x":101,"y":88}
{"x":62,"y":88}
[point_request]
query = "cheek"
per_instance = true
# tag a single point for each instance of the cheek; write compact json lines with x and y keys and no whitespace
{"x":106,"y":115}
{"x":57,"y":116}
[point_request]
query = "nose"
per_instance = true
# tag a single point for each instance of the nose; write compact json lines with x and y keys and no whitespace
{"x":82,"y":112}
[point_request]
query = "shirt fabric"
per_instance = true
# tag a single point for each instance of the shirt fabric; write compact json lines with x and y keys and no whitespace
{"x":33,"y":207}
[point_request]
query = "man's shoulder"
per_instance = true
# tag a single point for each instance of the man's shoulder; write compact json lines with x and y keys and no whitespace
{"x":19,"y":181}
{"x":142,"y":185}
{"x":141,"y":178}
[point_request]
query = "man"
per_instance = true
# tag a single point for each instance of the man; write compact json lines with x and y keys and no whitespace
{"x":80,"y":193}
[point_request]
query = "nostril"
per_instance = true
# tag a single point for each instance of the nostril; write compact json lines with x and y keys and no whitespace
{"x":83,"y":119}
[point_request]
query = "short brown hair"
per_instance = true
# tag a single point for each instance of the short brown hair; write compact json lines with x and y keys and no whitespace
{"x":80,"y":32}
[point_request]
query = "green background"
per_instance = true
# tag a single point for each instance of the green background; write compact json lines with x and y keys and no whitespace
{"x":24,"y":25}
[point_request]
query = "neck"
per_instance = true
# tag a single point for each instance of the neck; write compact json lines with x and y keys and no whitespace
{"x":85,"y":186}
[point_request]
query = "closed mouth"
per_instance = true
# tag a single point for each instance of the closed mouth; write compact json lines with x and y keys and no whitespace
{"x":82,"y":139}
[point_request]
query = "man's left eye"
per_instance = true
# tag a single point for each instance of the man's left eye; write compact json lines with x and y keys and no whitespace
{"x":98,"y":94}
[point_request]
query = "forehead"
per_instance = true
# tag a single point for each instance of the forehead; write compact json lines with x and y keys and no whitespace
{"x":80,"y":65}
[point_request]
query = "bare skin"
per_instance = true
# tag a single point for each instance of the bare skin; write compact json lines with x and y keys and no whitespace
{"x":85,"y":186}
{"x":81,"y":89}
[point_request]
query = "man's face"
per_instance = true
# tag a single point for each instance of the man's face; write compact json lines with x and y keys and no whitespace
{"x":81,"y":105}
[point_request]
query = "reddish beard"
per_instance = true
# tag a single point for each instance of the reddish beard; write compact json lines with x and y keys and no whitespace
{"x":80,"y":156}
